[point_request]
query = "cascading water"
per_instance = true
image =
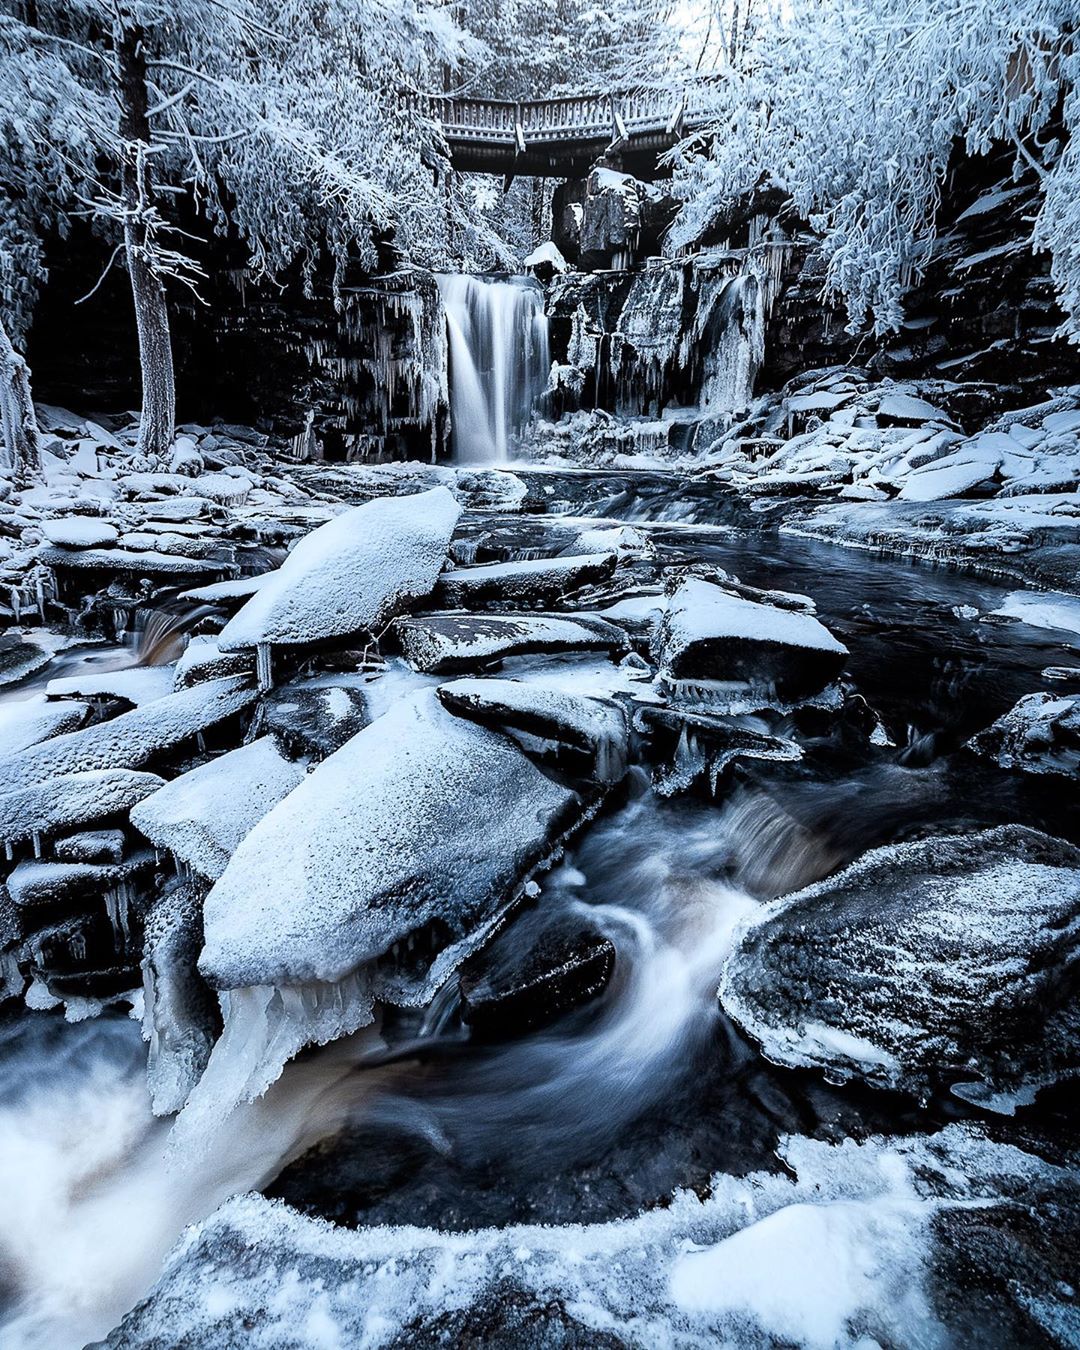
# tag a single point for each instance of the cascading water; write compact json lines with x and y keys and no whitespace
{"x":499,"y":361}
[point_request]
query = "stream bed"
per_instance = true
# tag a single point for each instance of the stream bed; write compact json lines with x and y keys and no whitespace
{"x":603,"y":1111}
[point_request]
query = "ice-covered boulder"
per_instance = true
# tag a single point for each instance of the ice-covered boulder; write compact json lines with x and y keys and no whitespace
{"x":203,"y":815}
{"x":532,"y":584}
{"x":942,"y":963}
{"x":589,"y":734}
{"x":1040,"y":734}
{"x":311,"y":721}
{"x":423,"y":820}
{"x":711,"y":637}
{"x":352,"y":574}
{"x":456,"y":644}
{"x":133,"y":738}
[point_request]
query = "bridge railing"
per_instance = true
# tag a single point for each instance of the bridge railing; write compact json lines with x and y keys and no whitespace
{"x":569,"y":117}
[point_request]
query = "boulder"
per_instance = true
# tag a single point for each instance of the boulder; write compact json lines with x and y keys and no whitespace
{"x":714,"y":641}
{"x":79,"y":532}
{"x":37,"y":882}
{"x":536,"y":583}
{"x":451,"y":644}
{"x":351,"y":575}
{"x":946,"y":962}
{"x":423,"y":821}
{"x":203,"y":815}
{"x":588,"y":735}
{"x":133,"y":738}
{"x":1040,"y":734}
{"x":27,"y":721}
{"x":544,"y":965}
{"x":312,"y":721}
{"x":65,"y":803}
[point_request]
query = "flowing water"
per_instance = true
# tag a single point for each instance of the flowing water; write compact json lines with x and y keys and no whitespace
{"x":499,"y":361}
{"x":617,"y":1103}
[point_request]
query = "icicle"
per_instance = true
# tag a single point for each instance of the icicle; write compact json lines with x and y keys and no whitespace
{"x":263,"y":671}
{"x":118,"y":907}
{"x":36,"y":836}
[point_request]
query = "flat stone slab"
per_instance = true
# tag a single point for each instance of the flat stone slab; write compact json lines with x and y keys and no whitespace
{"x":453,"y":644}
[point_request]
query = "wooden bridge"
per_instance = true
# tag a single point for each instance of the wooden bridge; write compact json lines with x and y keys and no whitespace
{"x":564,"y":137}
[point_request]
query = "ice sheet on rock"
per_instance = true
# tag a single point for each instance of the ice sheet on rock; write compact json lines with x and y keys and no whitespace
{"x":587,"y":725}
{"x":838,"y":1252}
{"x":1043,"y":609}
{"x":536,"y":581}
{"x":203,"y":815}
{"x":454,"y":644}
{"x":71,"y":800}
{"x":351,"y":575}
{"x":239,"y":588}
{"x":136,"y":684}
{"x":79,"y":532}
{"x":180,"y":1013}
{"x":132,"y":738}
{"x":873,"y":973}
{"x":422,"y":819}
{"x":26,"y":722}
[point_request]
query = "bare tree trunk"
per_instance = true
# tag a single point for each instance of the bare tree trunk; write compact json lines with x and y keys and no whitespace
{"x":157,"y":425}
{"x":17,"y":416}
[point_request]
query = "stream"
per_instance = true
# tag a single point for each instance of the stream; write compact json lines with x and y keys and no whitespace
{"x":645,"y":1089}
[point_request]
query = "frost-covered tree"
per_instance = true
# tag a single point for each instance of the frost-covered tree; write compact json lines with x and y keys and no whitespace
{"x":854,"y":109}
{"x":289,"y":124}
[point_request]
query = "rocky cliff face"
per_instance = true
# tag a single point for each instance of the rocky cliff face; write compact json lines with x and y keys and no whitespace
{"x":361,"y":378}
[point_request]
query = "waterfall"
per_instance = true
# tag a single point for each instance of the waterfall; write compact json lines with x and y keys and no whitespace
{"x":499,"y":361}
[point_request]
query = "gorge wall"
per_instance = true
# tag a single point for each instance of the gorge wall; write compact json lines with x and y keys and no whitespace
{"x":665,"y":344}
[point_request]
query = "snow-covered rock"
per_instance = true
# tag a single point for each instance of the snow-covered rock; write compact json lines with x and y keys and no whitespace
{"x":27,"y":721}
{"x":46,"y":882}
{"x":66,"y":802}
{"x":351,"y":575}
{"x":711,"y":637}
{"x":423,"y":819}
{"x":532,"y":584}
{"x":943,"y":963}
{"x":589,"y":734}
{"x":456,"y":644}
{"x":203,"y":815}
{"x":79,"y":532}
{"x":132,"y":738}
{"x":1039,"y":734}
{"x":890,"y":1234}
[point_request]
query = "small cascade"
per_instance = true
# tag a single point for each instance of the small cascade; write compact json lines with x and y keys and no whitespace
{"x":499,"y":361}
